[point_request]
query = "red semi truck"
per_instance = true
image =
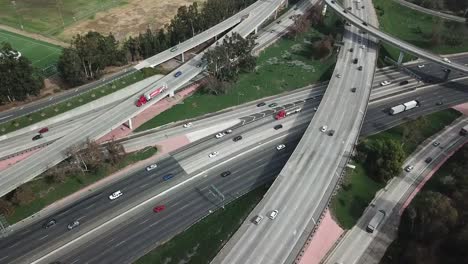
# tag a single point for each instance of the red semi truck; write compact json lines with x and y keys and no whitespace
{"x":284,"y":113}
{"x":144,"y":98}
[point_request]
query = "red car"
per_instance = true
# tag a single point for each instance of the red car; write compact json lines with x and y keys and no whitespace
{"x":43,"y":130}
{"x":159,"y":208}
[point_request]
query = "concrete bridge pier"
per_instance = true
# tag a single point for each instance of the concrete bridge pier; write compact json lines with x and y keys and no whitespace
{"x":400,"y":58}
{"x":182,"y":57}
{"x":130,"y":124}
{"x":171,"y":94}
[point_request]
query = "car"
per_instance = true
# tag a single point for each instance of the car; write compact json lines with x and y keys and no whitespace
{"x":272,"y":104}
{"x":278,"y":127}
{"x":273,"y":214}
{"x":257,"y":219}
{"x":363,"y":46}
{"x":420,"y":66}
{"x":436,"y":143}
{"x":229,"y":131}
{"x":385,"y":83}
{"x":439,"y":103}
{"x":225,"y":173}
{"x":73,"y":225}
{"x":174,"y":49}
{"x":272,"y":31}
{"x":349,"y":8}
{"x":338,"y":75}
{"x":446,"y":60}
{"x":219,"y":135}
{"x":199,"y":65}
{"x":43,"y":130}
{"x":115,"y":195}
{"x":446,"y":70}
{"x":168,"y":177}
{"x":351,"y":49}
{"x":261,"y":104}
{"x":359,"y":68}
{"x":315,"y":109}
{"x":280,"y":147}
{"x":355,"y":61}
{"x":49,"y":223}
{"x":364,"y":23}
{"x":278,"y":22}
{"x":347,"y":23}
{"x":151,"y":167}
{"x":331,"y":132}
{"x":237,"y":138}
{"x":213,"y":154}
{"x":428,"y":160}
{"x":159,"y":208}
{"x":187,"y":125}
{"x":36,"y":137}
{"x":323,"y":128}
{"x":353,"y":90}
{"x":177,"y":74}
{"x":298,"y":8}
{"x":345,"y":11}
{"x":404,"y":82}
{"x":409,"y":168}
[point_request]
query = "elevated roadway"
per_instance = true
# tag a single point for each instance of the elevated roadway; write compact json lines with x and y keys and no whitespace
{"x":351,"y":17}
{"x":250,"y":169}
{"x":302,"y":190}
{"x":431,"y":12}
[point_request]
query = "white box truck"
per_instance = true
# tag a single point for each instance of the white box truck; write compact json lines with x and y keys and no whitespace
{"x":404,"y":107}
{"x":375,"y":221}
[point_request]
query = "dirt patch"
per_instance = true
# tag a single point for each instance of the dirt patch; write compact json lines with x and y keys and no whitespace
{"x":130,"y":19}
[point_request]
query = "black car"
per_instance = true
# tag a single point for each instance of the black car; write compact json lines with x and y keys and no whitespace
{"x":404,"y":82}
{"x":225,"y":174}
{"x":364,"y":23}
{"x":359,"y":68}
{"x":428,"y":160}
{"x":355,"y":61}
{"x":237,"y":138}
{"x":351,"y":50}
{"x":278,"y":127}
{"x":50,"y":223}
{"x":36,"y":137}
{"x":331,"y":132}
{"x":261,"y":104}
{"x":439,"y":103}
{"x":353,"y":89}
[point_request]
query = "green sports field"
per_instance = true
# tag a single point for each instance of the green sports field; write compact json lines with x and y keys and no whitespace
{"x":41,"y":54}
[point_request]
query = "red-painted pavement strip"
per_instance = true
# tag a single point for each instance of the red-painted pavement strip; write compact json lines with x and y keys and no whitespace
{"x":463,"y":108}
{"x":321,"y":242}
{"x":149,"y":113}
{"x":13,"y":160}
{"x":428,"y":176}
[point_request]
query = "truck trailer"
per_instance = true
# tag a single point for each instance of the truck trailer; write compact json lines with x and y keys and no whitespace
{"x":284,"y":113}
{"x":404,"y":107}
{"x":375,"y":221}
{"x":144,"y":98}
{"x":464,"y":131}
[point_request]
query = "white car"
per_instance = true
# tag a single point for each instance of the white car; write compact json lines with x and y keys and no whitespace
{"x":229,"y":131}
{"x":409,"y":168}
{"x":280,"y":147}
{"x":115,"y":195}
{"x":213,"y":154}
{"x":323,"y":128}
{"x":315,"y":109}
{"x":273,"y":214}
{"x":151,"y":167}
{"x":446,"y":60}
{"x":385,"y":83}
{"x":421,"y":66}
{"x":188,"y":125}
{"x":338,"y":75}
{"x":220,"y":135}
{"x":363,"y":46}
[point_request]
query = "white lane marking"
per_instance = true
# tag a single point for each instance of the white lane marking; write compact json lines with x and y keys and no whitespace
{"x":144,"y":222}
{"x":13,"y":245}
{"x":75,"y":261}
{"x":4,"y":257}
{"x":143,"y":186}
{"x":43,"y":237}
{"x":5,"y":117}
{"x":89,"y":206}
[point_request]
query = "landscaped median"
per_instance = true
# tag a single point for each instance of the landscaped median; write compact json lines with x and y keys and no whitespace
{"x":359,"y":187}
{"x":77,"y":101}
{"x":43,"y":191}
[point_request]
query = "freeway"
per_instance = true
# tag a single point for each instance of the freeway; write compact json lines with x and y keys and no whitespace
{"x":391,"y":199}
{"x":431,"y":12}
{"x":51,"y":155}
{"x":96,"y":208}
{"x":303,"y":188}
{"x":423,"y":54}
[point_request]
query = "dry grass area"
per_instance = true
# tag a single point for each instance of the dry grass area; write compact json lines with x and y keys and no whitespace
{"x":129,"y":19}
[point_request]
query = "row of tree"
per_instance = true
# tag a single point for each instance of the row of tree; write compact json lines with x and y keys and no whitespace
{"x":83,"y":160}
{"x":434,"y":228}
{"x":18,"y":79}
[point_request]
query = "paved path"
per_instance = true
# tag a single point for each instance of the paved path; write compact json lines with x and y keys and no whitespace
{"x":35,"y":36}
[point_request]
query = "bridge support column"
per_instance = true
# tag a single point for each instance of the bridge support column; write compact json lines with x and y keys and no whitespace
{"x":447,"y":73}
{"x":130,"y":125}
{"x":256,"y":30}
{"x":182,"y":57}
{"x":400,"y":58}
{"x":276,"y":14}
{"x":171,"y":94}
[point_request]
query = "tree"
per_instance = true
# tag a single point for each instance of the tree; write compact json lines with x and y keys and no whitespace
{"x":315,"y":15}
{"x":324,"y":47}
{"x":6,"y":208}
{"x":116,"y":152}
{"x":18,"y":79}
{"x":214,"y":86}
{"x":23,"y":195}
{"x":69,"y":67}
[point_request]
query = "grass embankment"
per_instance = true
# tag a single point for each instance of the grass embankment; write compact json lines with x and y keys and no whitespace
{"x":47,"y":192}
{"x":416,"y":28}
{"x":286,"y":65}
{"x":201,"y":242}
{"x":358,"y":188}
{"x":77,"y":101}
{"x":50,"y":17}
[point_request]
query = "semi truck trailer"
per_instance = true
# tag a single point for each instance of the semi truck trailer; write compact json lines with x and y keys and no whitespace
{"x":144,"y":98}
{"x":284,"y":113}
{"x":404,"y":107}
